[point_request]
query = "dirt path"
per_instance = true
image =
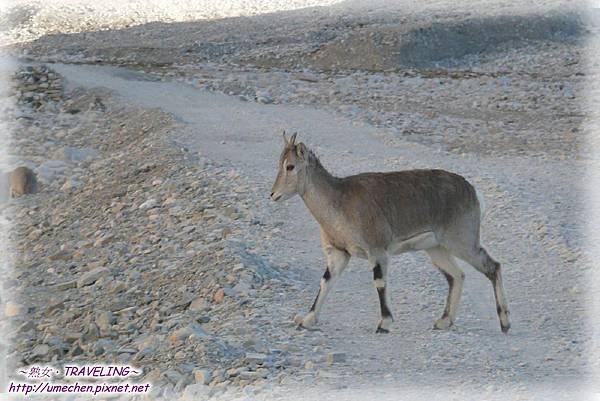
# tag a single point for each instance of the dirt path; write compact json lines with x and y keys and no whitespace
{"x":532,"y":227}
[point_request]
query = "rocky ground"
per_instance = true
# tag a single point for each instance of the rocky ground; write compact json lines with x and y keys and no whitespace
{"x":152,"y":242}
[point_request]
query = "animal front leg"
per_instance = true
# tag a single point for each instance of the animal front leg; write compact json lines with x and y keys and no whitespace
{"x":447,"y":264}
{"x":337,"y":260}
{"x":379,"y":279}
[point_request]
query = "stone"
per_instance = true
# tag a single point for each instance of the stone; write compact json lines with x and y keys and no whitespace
{"x":34,"y":235}
{"x":202,"y":376}
{"x":13,"y":309}
{"x":22,"y":181}
{"x":149,"y":204}
{"x":104,"y":240}
{"x":254,"y":357}
{"x":92,"y":276}
{"x":40,"y":350}
{"x":117,"y":286}
{"x":198,"y":304}
{"x":61,"y":255}
{"x":104,"y":321}
{"x":259,"y":374}
{"x":336,"y":357}
{"x":263,"y":97}
{"x":66,"y":285}
{"x":219,"y":295}
{"x":70,"y":183}
{"x":184,"y":333}
{"x":195,"y":392}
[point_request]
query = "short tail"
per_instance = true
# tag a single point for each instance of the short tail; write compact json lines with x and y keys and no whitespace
{"x":481,"y":200}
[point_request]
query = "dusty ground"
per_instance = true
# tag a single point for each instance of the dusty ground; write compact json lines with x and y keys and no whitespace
{"x":368,"y":90}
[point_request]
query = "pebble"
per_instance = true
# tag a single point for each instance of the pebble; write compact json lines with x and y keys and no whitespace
{"x":90,"y":277}
{"x":183,"y":333}
{"x":202,"y":376}
{"x":219,"y":295}
{"x":12,"y":309}
{"x":336,"y":357}
{"x":195,"y":392}
{"x":41,"y":350}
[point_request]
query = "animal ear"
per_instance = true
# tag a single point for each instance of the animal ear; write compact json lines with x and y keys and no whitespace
{"x":301,"y":151}
{"x":293,"y":139}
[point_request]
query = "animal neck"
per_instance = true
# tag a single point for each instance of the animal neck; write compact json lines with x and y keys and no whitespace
{"x":321,"y":192}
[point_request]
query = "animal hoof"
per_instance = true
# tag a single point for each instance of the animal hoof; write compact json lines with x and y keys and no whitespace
{"x":384,"y":325}
{"x":504,"y":323}
{"x":442,"y":324}
{"x":305,"y":322}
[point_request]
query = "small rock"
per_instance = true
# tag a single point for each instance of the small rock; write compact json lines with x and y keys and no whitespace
{"x":263,"y":97}
{"x":105,"y":320}
{"x":259,"y":374}
{"x":70,"y":183}
{"x":336,"y":357}
{"x":34,"y":235}
{"x":149,"y":204}
{"x":40,"y":350}
{"x":61,"y":255}
{"x":22,"y":181}
{"x":13,"y":309}
{"x":253,"y":357}
{"x":104,"y":240}
{"x":183,"y":333}
{"x":202,"y":376}
{"x":66,"y":285}
{"x":117,"y":286}
{"x":194,"y":392}
{"x":197,"y":304}
{"x":92,"y":276}
{"x":219,"y":295}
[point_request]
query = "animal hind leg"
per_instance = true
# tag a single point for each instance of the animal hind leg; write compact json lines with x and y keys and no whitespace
{"x":337,"y":260}
{"x":445,"y":262}
{"x":482,"y":261}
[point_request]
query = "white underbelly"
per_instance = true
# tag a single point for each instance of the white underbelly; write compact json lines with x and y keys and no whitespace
{"x":418,"y":242}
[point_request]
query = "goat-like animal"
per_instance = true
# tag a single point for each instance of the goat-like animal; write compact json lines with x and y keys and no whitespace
{"x":373,"y":215}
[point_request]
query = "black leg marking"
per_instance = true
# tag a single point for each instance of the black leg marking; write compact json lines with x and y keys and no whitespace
{"x":378,"y":275}
{"x":377,"y":272}
{"x":326,"y":277}
{"x":385,"y":312}
{"x":450,"y":280}
{"x":314,"y":305}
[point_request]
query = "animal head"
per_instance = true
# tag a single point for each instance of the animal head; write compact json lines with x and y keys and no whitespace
{"x":292,"y":169}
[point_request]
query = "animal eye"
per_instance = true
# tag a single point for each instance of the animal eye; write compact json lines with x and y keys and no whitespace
{"x":289,"y":167}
